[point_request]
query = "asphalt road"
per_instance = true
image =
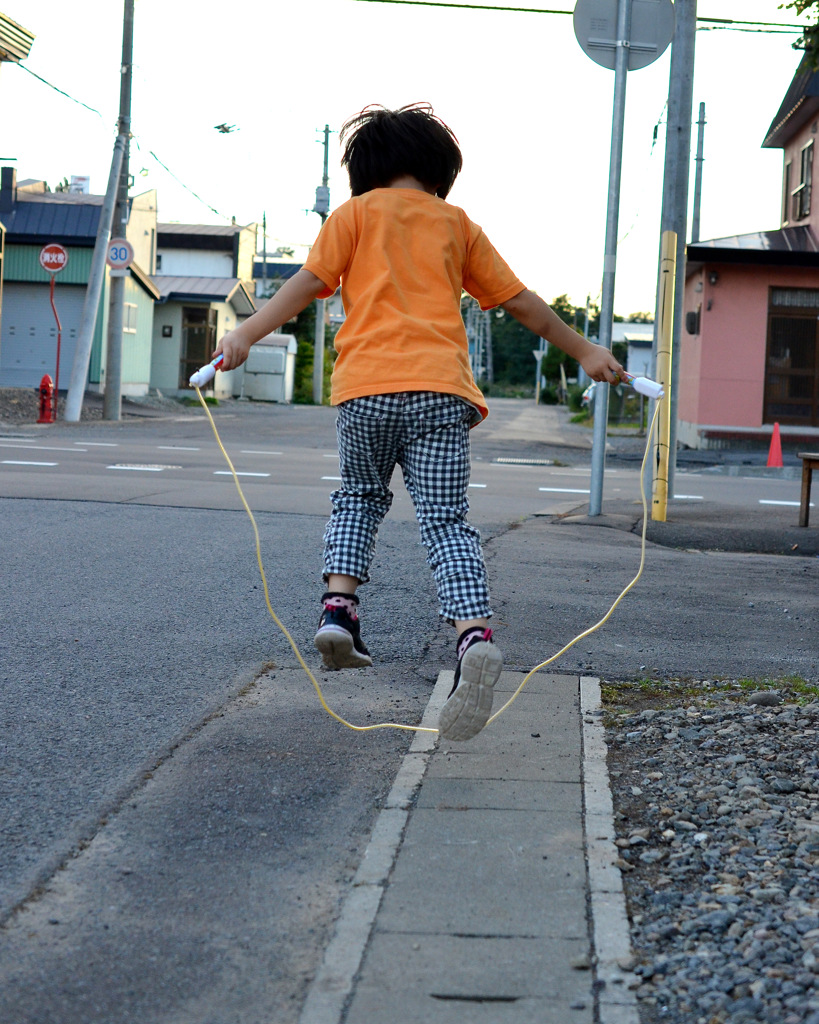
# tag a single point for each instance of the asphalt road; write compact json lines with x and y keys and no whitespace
{"x":176,"y":805}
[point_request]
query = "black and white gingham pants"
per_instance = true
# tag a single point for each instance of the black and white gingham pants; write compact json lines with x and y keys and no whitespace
{"x":427,"y":435}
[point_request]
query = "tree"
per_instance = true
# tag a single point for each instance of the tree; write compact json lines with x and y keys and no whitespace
{"x":512,"y":347}
{"x":809,"y":40}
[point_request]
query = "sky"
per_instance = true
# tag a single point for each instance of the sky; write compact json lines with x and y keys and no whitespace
{"x":531,"y":110}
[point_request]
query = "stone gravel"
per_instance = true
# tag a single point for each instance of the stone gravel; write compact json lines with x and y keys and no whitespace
{"x":716,"y":797}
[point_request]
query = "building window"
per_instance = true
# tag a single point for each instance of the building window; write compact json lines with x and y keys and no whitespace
{"x":800,"y":204}
{"x":129,"y":317}
{"x":786,"y":192}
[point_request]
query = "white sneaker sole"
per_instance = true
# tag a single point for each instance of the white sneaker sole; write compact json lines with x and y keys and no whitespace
{"x":468,"y":709}
{"x":338,"y":650}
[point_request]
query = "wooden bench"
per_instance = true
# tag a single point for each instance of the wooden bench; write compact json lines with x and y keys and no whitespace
{"x":810,"y":461}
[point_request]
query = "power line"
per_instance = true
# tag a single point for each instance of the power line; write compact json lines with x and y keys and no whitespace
{"x":475,"y":7}
{"x":723,"y":22}
{"x":62,"y":92}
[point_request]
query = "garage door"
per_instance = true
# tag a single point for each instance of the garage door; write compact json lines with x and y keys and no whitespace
{"x":28,"y":333}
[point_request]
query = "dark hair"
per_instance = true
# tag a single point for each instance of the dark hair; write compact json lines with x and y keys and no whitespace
{"x":381,"y":145}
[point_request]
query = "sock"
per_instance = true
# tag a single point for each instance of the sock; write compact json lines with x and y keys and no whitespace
{"x":469,"y":635}
{"x":347,"y":602}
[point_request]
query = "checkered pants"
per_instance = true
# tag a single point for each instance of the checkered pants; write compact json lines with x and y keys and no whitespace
{"x":427,"y":435}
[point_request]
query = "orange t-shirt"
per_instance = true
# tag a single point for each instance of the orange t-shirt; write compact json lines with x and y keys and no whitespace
{"x":403,"y":258}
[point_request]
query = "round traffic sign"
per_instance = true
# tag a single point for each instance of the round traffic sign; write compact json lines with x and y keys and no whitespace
{"x":652,"y":29}
{"x":120,"y":254}
{"x":53,"y":257}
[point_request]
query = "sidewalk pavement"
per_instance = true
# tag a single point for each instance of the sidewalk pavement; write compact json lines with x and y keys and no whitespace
{"x":489,"y":890}
{"x":473,"y":900}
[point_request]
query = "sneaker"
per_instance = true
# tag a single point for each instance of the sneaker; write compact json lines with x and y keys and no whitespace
{"x":339,"y":636}
{"x":469,"y":706}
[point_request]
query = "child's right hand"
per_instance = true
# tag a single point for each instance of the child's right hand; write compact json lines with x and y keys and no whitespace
{"x":233,"y":348}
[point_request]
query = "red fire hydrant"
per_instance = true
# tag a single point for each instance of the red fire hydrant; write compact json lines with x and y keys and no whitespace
{"x":47,"y":401}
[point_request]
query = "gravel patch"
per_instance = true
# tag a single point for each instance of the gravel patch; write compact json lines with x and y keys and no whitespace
{"x":716,"y":797}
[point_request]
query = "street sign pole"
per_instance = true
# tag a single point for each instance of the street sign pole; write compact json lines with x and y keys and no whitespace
{"x":53,"y":258}
{"x":59,"y":345}
{"x":601,"y":394}
{"x":624,"y":35}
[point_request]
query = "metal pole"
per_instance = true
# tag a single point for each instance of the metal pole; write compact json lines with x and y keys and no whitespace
{"x":695,"y":218}
{"x":322,"y":208}
{"x":665,"y":374}
{"x":601,"y":393}
{"x":674,"y":215}
{"x":96,"y":277}
{"x":59,"y":343}
{"x":112,"y":403}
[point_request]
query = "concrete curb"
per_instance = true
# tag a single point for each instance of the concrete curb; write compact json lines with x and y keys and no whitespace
{"x":616,"y":1002}
{"x":333,"y":983}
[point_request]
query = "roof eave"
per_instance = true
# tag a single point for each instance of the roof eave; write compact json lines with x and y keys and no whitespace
{"x":780,"y":133}
{"x":698,"y":256}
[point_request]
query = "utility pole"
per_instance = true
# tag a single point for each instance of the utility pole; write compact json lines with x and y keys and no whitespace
{"x":695,"y":217}
{"x":96,"y":279}
{"x":322,"y":208}
{"x":674,"y":215}
{"x":112,"y":403}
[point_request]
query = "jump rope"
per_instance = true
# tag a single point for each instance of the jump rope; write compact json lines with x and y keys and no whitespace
{"x":643,"y":385}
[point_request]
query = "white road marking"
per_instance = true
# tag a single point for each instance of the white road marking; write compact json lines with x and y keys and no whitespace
{"x":562,"y":490}
{"x":790,"y":504}
{"x":40,"y":448}
{"x":227,"y":472}
{"x":15,"y":462}
{"x":176,"y":448}
{"x":246,"y":452}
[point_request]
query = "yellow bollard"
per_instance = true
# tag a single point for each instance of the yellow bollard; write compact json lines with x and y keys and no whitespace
{"x":665,"y":335}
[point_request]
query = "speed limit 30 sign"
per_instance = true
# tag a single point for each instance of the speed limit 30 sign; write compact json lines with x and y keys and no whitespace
{"x":120,"y":255}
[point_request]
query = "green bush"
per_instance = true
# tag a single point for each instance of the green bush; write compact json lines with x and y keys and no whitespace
{"x":574,"y":397}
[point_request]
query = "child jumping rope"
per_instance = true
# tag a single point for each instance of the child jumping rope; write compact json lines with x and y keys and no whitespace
{"x":402,"y":380}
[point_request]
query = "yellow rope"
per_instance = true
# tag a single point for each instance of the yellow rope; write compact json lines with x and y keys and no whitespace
{"x":396,"y":725}
{"x":608,"y":614}
{"x":274,"y":616}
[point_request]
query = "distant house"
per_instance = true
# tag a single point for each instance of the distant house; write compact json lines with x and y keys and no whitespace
{"x":33,"y":217}
{"x":270,"y":275}
{"x":750,"y":350}
{"x":204,"y":276}
{"x":639,"y":339}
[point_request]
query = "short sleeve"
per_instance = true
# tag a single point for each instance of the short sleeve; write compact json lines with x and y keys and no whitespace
{"x":487,"y":277}
{"x":331,"y":253}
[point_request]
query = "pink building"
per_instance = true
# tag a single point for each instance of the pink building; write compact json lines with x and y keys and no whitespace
{"x":750,"y":348}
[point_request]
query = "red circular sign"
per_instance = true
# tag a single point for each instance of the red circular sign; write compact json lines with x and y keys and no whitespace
{"x":53,"y":257}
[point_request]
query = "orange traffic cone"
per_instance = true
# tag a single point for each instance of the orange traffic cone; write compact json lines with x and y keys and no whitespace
{"x":775,"y":451}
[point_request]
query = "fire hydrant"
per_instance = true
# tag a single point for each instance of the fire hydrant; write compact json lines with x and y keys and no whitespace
{"x":47,"y":401}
